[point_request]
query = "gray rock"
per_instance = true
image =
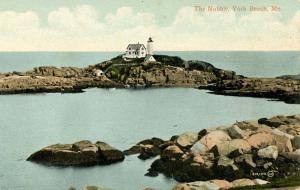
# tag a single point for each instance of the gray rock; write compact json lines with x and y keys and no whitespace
{"x":227,"y":147}
{"x":198,"y":148}
{"x":236,"y":133}
{"x":268,"y":152}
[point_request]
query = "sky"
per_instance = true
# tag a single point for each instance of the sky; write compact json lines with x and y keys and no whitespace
{"x":175,"y":25}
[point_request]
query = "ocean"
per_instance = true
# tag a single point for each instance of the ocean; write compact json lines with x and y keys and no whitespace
{"x":120,"y":117}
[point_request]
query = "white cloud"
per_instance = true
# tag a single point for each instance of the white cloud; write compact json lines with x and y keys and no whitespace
{"x":82,"y":29}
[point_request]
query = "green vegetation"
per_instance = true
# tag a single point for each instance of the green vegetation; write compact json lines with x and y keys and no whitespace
{"x":169,"y":60}
{"x":290,"y":181}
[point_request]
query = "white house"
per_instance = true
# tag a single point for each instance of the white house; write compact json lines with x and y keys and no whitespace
{"x":135,"y":51}
{"x":140,"y":51}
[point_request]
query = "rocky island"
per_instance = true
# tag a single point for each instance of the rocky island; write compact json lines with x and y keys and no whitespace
{"x":167,"y":71}
{"x":82,"y":153}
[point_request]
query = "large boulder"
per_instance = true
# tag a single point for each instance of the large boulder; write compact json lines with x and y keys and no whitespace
{"x":283,"y":143}
{"x":226,"y":147}
{"x":261,"y":140}
{"x":281,"y":133}
{"x":268,"y":152}
{"x":214,"y":137}
{"x":187,"y":139}
{"x":81,"y":153}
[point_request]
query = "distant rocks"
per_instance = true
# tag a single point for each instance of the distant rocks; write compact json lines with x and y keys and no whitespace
{"x":82,"y":153}
{"x":273,"y":88}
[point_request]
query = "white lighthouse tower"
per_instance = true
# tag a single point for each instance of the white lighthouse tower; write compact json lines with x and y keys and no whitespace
{"x":150,"y":46}
{"x":149,"y":57}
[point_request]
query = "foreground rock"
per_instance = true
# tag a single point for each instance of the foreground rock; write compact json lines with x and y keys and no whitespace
{"x":265,"y":149}
{"x":82,"y":153}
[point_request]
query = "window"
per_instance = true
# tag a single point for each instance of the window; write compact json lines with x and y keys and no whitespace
{"x":142,"y":52}
{"x":129,"y":48}
{"x":129,"y":53}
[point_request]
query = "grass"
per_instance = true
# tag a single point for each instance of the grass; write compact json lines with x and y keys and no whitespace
{"x":290,"y":181}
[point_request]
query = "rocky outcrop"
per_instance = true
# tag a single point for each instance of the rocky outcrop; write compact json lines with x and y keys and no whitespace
{"x":253,"y":150}
{"x":287,"y":90}
{"x":147,"y":148}
{"x":82,"y":153}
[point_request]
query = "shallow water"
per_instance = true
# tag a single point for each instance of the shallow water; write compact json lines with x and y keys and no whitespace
{"x":119,"y":117}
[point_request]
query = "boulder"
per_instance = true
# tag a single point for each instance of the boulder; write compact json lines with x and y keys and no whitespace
{"x":281,"y":133}
{"x":172,"y":151}
{"x":242,"y":182}
{"x":81,"y":153}
{"x":227,"y":147}
{"x":261,"y":140}
{"x":214,"y":137}
{"x":198,"y":148}
{"x":296,"y":142}
{"x":187,"y":139}
{"x":268,"y":152}
{"x":283,"y":143}
{"x":197,"y":185}
{"x":236,"y":133}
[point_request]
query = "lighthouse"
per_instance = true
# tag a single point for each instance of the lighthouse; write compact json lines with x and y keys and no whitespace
{"x":149,"y":57}
{"x":150,"y":46}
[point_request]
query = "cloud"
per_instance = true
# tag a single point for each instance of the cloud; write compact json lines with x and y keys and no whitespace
{"x":82,"y":29}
